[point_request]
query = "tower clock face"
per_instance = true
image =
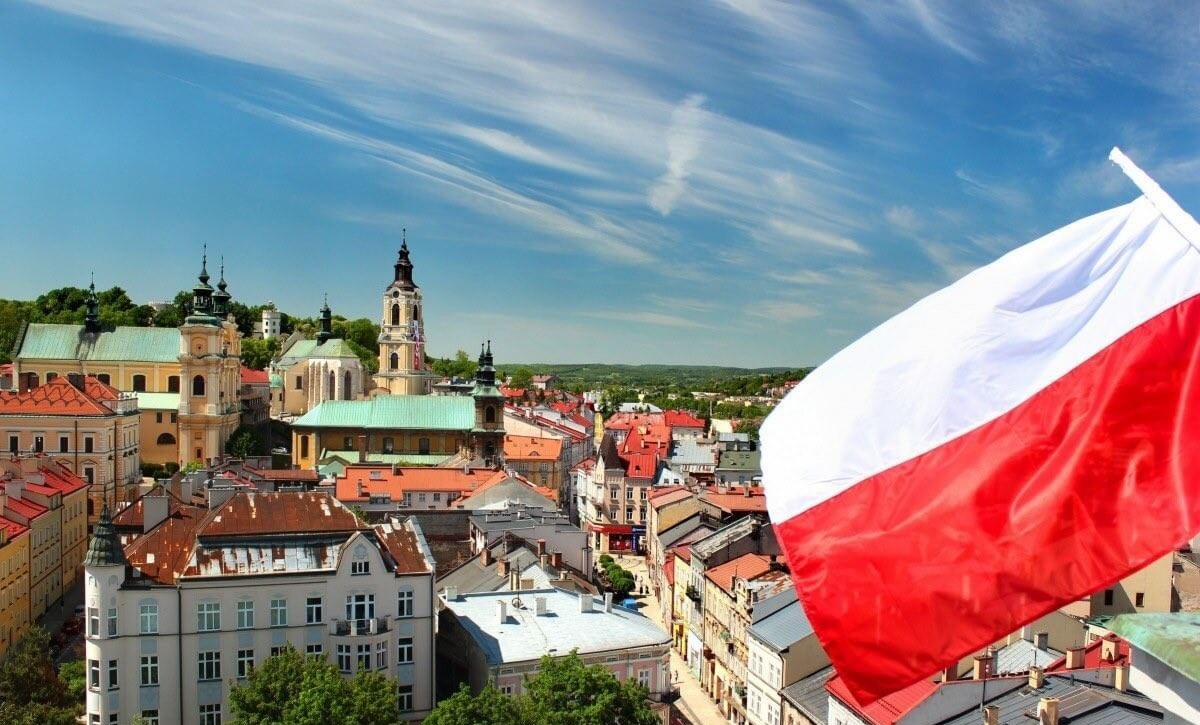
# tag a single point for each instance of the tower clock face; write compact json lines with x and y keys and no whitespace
{"x":395,"y":293}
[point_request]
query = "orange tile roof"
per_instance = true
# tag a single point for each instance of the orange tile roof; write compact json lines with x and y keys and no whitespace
{"x":14,"y":529}
{"x":886,"y":710}
{"x":496,"y":481}
{"x":289,"y":513}
{"x":59,"y":477}
{"x":401,"y":543}
{"x":57,"y":397}
{"x":26,"y":509}
{"x":624,"y":421}
{"x":249,"y":376}
{"x":162,"y":554}
{"x":669,"y":571}
{"x":1092,"y":656}
{"x":99,"y":389}
{"x":734,"y":499}
{"x":379,"y":480}
{"x":525,"y":448}
{"x":512,"y":392}
{"x":746,"y":566}
{"x":682,"y":419}
{"x":133,"y":515}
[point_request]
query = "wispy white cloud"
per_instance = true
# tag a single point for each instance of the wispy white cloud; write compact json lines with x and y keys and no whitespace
{"x":646,"y":317}
{"x":518,"y":148}
{"x":684,"y":137}
{"x":996,"y":192}
{"x":902,"y":218}
{"x":783,"y":311}
{"x":941,"y":29}
{"x":792,"y":231}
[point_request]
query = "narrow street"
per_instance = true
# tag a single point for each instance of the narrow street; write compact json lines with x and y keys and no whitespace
{"x":692,"y":702}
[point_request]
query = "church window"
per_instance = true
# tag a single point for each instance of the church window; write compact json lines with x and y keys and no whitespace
{"x":347,"y":443}
{"x":395,"y":314}
{"x":51,"y":376}
{"x":173,"y":384}
{"x":331,"y":393}
{"x":166,"y":439}
{"x":489,"y":414}
{"x":139,"y":383}
{"x":198,"y":385}
{"x":304,"y":446}
{"x":417,"y":312}
{"x":423,"y":446}
{"x":347,"y":385}
{"x":299,"y":382}
{"x":394,"y":362}
{"x":104,"y":378}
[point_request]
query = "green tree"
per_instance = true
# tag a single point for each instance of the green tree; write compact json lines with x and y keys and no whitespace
{"x":257,"y":354}
{"x":245,"y":442}
{"x":74,"y":677}
{"x":373,"y":698}
{"x":30,"y":689}
{"x":324,"y":698}
{"x":521,"y":378}
{"x":490,"y":706}
{"x":269,"y":689}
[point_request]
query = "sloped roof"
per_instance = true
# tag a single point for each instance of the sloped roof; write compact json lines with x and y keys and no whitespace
{"x":740,"y":461}
{"x":1093,"y":655}
{"x":132,"y":516}
{"x":690,"y":453}
{"x":250,"y":376}
{"x":780,"y":621}
{"x":261,"y":512}
{"x":403,"y":543}
{"x":57,"y":397}
{"x":72,"y":342}
{"x":334,"y":347}
{"x":887,"y":710}
{"x":746,"y":566}
{"x":1079,"y":703}
{"x":1172,"y":638}
{"x":380,"y":480}
{"x":548,"y":493}
{"x":391,"y":412}
{"x":522,"y":448}
{"x":682,"y":419}
{"x":735,"y":500}
{"x":810,"y":696}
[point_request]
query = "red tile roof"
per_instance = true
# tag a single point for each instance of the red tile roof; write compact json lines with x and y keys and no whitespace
{"x":24,"y":508}
{"x":162,"y":554}
{"x":285,"y":474}
{"x":734,"y":499}
{"x":682,"y":419}
{"x":401,"y":543}
{"x":532,"y":448}
{"x":746,"y":566}
{"x":58,"y":476}
{"x":1093,"y":656}
{"x":683,"y":552}
{"x":57,"y":397}
{"x":379,"y":480}
{"x":886,"y":710}
{"x":99,"y":389}
{"x":13,"y":528}
{"x":254,"y":377}
{"x":565,"y":407}
{"x":624,"y":421}
{"x":261,"y":512}
{"x":133,"y":515}
{"x":512,"y":392}
{"x":668,"y":495}
{"x":669,"y":570}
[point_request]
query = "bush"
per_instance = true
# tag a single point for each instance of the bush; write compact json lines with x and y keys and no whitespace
{"x":605,"y":560}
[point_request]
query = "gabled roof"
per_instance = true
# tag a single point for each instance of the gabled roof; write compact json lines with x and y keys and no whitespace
{"x":667,"y":495}
{"x":57,"y":397}
{"x":810,"y":696}
{"x":249,"y":376}
{"x":73,"y":342}
{"x":734,"y":499}
{"x":393,"y":412}
{"x":266,"y":513}
{"x":395,"y":482}
{"x":403,"y":544}
{"x":625,"y":421}
{"x":512,"y":392}
{"x":780,"y":621}
{"x":682,"y":419}
{"x":532,"y":448}
{"x":886,"y":710}
{"x":1093,"y":655}
{"x":132,"y":516}
{"x":548,"y":493}
{"x":332,"y":348}
{"x":1172,"y":638}
{"x":746,"y":566}
{"x":740,"y":461}
{"x":13,"y":528}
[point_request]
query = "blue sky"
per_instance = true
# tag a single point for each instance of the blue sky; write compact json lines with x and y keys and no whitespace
{"x":741,"y":182}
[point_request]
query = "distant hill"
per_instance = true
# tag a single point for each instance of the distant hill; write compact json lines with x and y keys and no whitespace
{"x":597,"y":375}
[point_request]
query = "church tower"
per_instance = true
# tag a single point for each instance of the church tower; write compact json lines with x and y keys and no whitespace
{"x":402,"y":368}
{"x":487,"y":437}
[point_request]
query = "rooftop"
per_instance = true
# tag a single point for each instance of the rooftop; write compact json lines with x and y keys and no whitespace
{"x":886,"y":710}
{"x":59,"y":397}
{"x":1172,"y":638}
{"x":810,"y":696}
{"x":249,"y":376}
{"x":1079,"y":703}
{"x":682,"y":419}
{"x":780,"y":621}
{"x":525,"y":637}
{"x":524,"y":448}
{"x":746,"y":566}
{"x":158,"y":401}
{"x":361,"y":481}
{"x":72,"y":342}
{"x":1094,"y":655}
{"x":734,"y":499}
{"x":394,"y":412}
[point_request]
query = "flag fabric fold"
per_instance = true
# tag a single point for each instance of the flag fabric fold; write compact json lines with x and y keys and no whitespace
{"x":1007,"y":445}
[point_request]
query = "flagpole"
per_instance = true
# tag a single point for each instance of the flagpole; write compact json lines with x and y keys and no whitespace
{"x":1175,"y":215}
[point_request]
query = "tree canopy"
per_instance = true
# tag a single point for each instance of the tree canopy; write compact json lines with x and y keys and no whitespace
{"x":31,"y":692}
{"x":461,"y":366}
{"x":565,"y":691}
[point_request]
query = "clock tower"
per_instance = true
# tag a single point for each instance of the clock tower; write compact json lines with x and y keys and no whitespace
{"x":402,"y":369}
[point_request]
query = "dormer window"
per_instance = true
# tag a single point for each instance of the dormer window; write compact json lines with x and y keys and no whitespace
{"x":360,"y":567}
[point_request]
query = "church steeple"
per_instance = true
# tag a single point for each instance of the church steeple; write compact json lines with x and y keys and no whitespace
{"x":487,"y":437}
{"x":202,"y":295}
{"x":221,"y":297}
{"x":404,"y":266}
{"x":326,"y":323}
{"x":105,"y":547}
{"x":91,"y":320}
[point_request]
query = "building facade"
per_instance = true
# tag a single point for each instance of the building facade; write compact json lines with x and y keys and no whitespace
{"x":314,"y":371}
{"x":185,"y":610}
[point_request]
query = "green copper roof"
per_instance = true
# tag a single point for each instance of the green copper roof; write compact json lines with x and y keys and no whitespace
{"x":334,"y":462}
{"x":158,"y":401}
{"x":71,"y":342}
{"x":1172,"y":638}
{"x":105,"y":548}
{"x":299,"y":349}
{"x":418,"y":412}
{"x":335,"y":347}
{"x":276,"y":380}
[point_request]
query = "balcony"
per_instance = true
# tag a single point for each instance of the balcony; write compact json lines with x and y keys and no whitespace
{"x":358,"y":627}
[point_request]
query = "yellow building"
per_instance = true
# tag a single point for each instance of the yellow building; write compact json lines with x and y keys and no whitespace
{"x":192,"y":369}
{"x":14,"y":580}
{"x":402,"y":369}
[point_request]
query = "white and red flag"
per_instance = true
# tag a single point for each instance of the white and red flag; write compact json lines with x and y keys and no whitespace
{"x":1005,"y":446}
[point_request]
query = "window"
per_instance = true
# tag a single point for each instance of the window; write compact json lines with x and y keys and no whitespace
{"x":139,"y":383}
{"x":628,"y":514}
{"x":343,"y":658}
{"x":149,"y":670}
{"x":93,"y":627}
{"x":1139,"y":599}
{"x":1108,"y":597}
{"x":644,"y":678}
{"x":312,"y":610}
{"x":89,"y":445}
{"x":394,"y":362}
{"x":304,"y":446}
{"x":94,"y":719}
{"x":51,"y":376}
{"x":364,"y":657}
{"x":158,"y":417}
{"x":279,"y":613}
{"x":150,"y":717}
{"x":63,"y":444}
{"x":404,"y":604}
{"x":360,"y":607}
{"x":172,"y":417}
{"x":381,"y":655}
{"x":245,"y":663}
{"x":629,"y":494}
{"x":420,"y":498}
{"x":404,"y":651}
{"x":114,"y":718}
{"x":165,"y":439}
{"x":389,"y":445}
{"x":612,"y":493}
{"x":112,"y":675}
{"x":489,"y":414}
{"x":89,"y":474}
{"x":148,"y":618}
{"x":198,"y":385}
{"x":208,"y":616}
{"x":173,"y":384}
{"x":314,"y":651}
{"x":14,"y":444}
{"x":245,"y":615}
{"x":360,"y":567}
{"x":209,"y":665}
{"x":347,"y":443}
{"x":104,"y":378}
{"x":276,"y":651}
{"x":404,"y":698}
{"x":94,"y":674}
{"x":38,"y":444}
{"x":437,"y":497}
{"x":210,"y":714}
{"x":299,"y":382}
{"x":423,"y":446}
{"x":506,"y":690}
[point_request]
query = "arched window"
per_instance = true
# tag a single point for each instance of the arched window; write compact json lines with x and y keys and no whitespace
{"x":395,"y":314}
{"x":198,"y":385}
{"x":489,"y":414}
{"x":347,"y":385}
{"x":304,"y":446}
{"x":416,"y":312}
{"x":139,"y":383}
{"x":173,"y":384}
{"x":394,"y":362}
{"x":103,"y":377}
{"x":331,"y":394}
{"x":166,"y":439}
{"x":51,"y":376}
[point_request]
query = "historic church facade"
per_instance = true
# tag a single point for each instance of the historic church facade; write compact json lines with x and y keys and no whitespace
{"x":402,"y":368}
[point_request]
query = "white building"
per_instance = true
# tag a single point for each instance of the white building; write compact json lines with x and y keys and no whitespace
{"x":182,"y":612}
{"x":782,"y":650}
{"x":271,"y":319}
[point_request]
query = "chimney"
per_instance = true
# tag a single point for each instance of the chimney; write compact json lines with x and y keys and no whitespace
{"x":514,"y":580}
{"x":502,"y":567}
{"x":1121,"y":682}
{"x":1037,"y":677}
{"x":1048,"y":711}
{"x":502,"y":610}
{"x":485,"y":556}
{"x":746,"y":490}
{"x":539,"y":604}
{"x":544,"y":560}
{"x":1074,"y":658}
{"x":950,"y":674}
{"x":75,"y":379}
{"x":541,"y":546}
{"x":154,"y":511}
{"x":14,"y":489}
{"x":30,"y":464}
{"x":556,"y":560}
{"x":1108,"y":648}
{"x":3,"y":501}
{"x":585,"y":602}
{"x":982,"y":668}
{"x":451,"y":594}
{"x":608,"y":601}
{"x":1041,"y":640}
{"x":991,"y":715}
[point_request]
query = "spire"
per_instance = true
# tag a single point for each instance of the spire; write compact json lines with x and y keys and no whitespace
{"x":104,"y":548}
{"x":404,"y":267}
{"x":221,"y":297}
{"x":326,"y":322}
{"x":204,"y":265}
{"x":485,"y":374}
{"x":202,"y":296}
{"x":91,"y":320}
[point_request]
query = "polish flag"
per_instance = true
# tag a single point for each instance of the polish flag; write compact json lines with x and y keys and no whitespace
{"x":1009,"y":444}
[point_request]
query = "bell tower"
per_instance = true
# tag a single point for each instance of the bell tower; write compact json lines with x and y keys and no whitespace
{"x":487,"y":436}
{"x":402,"y":369}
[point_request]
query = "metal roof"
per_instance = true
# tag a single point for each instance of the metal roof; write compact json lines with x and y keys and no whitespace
{"x":72,"y":342}
{"x":740,"y":461}
{"x":1021,"y":655}
{"x":784,"y":627}
{"x":391,"y":412}
{"x":809,"y":696}
{"x":1080,"y":703}
{"x":690,"y":453}
{"x":1172,"y":638}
